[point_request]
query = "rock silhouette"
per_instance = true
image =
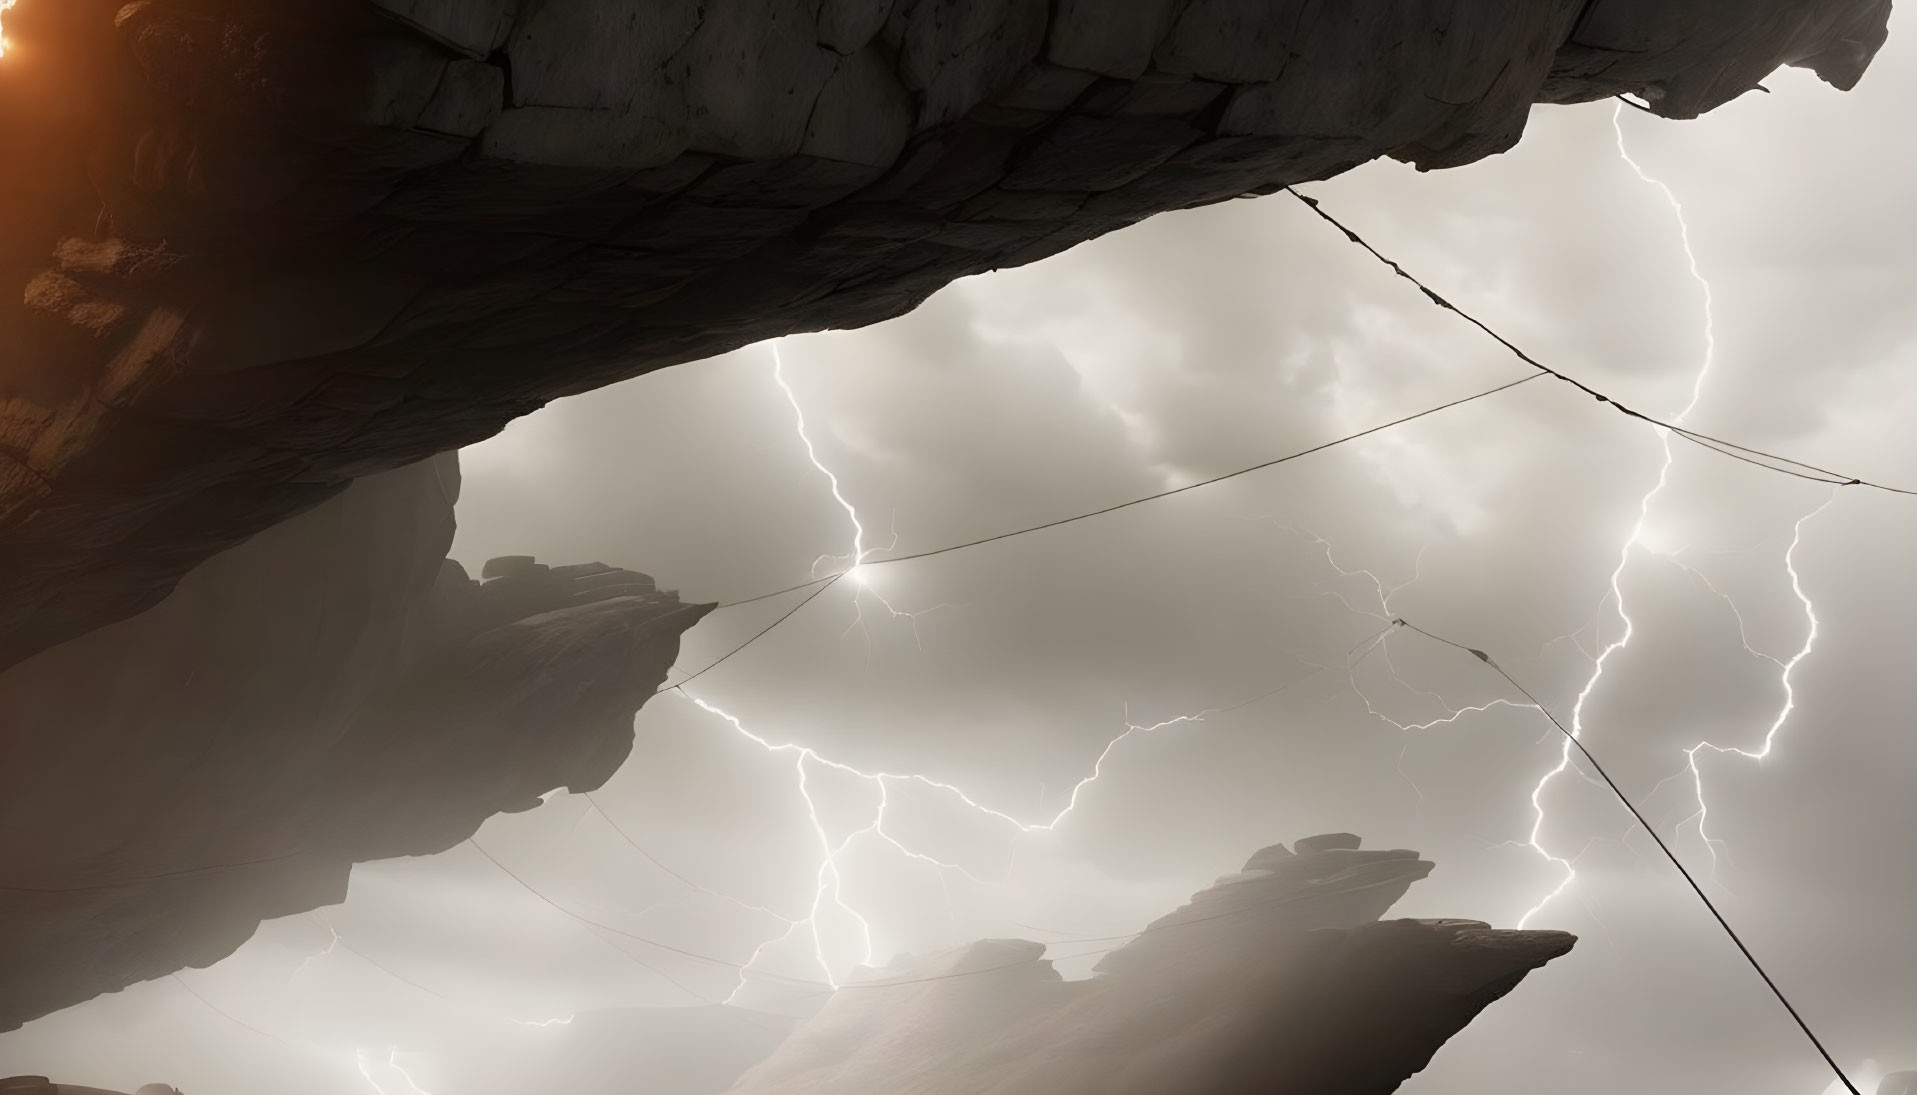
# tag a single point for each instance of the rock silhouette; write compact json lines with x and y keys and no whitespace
{"x":1279,"y":978}
{"x":261,"y":260}
{"x":333,"y":691}
{"x":251,"y":250}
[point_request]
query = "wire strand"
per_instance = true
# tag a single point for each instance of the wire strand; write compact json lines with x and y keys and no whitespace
{"x":1697,"y":889}
{"x":760,"y":634}
{"x":1206,"y":482}
{"x":830,"y":580}
{"x":1754,"y":457}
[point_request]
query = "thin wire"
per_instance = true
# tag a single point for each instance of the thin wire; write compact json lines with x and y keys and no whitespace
{"x":530,"y":888}
{"x":762,"y":632}
{"x":777,"y":592}
{"x":340,"y":942}
{"x":627,"y":837}
{"x":829,"y":581}
{"x":1748,"y":455}
{"x":1368,"y":643}
{"x":1206,"y":482}
{"x":1663,"y":847}
{"x":227,"y":1015}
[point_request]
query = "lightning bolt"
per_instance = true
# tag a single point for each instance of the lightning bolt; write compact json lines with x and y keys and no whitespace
{"x":1630,"y":549}
{"x":1786,"y":669}
{"x":829,"y":879}
{"x":828,"y":890}
{"x":855,"y":558}
{"x":1633,"y":541}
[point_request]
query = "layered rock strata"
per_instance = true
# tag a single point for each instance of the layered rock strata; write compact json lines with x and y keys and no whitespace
{"x":251,"y":250}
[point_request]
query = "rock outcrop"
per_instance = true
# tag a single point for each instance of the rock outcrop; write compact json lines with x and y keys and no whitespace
{"x":1280,"y":978}
{"x":333,"y":691}
{"x":251,"y":250}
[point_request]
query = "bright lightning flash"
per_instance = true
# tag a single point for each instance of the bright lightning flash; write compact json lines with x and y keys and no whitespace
{"x":1785,"y":667}
{"x":856,"y":571}
{"x":829,"y":878}
{"x":1634,"y":546}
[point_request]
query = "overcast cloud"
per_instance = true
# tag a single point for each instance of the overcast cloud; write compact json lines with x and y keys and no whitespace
{"x":1187,"y":346}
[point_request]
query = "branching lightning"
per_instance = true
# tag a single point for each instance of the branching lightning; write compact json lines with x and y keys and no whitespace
{"x":854,"y":559}
{"x":1381,"y":642}
{"x":1632,"y":546}
{"x":829,"y":878}
{"x":1786,"y":669}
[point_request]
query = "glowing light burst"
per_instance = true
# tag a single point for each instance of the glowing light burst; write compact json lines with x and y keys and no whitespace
{"x":856,"y":572}
{"x":1634,"y":544}
{"x":4,"y":5}
{"x":829,"y":880}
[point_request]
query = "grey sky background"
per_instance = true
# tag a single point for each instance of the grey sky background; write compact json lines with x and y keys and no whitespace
{"x":1187,"y":346}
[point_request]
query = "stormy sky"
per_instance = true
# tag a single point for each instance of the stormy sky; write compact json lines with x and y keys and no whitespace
{"x":1191,"y":345}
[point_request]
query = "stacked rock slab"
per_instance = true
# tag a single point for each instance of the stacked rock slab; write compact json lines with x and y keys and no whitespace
{"x":333,"y":691}
{"x":251,"y":250}
{"x":1280,"y":978}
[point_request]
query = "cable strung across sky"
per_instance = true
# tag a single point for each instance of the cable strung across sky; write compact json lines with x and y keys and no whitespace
{"x":820,"y":585}
{"x":862,"y":556}
{"x":1572,"y":741}
{"x":859,"y":560}
{"x":1769,"y":461}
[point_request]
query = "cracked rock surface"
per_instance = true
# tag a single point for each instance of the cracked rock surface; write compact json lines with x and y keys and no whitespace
{"x":252,"y":250}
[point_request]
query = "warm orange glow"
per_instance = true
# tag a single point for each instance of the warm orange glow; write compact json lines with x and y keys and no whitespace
{"x":4,"y":5}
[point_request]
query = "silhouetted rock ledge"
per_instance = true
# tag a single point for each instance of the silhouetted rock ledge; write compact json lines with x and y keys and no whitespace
{"x":335,"y":690}
{"x":251,"y":250}
{"x":1281,"y":978}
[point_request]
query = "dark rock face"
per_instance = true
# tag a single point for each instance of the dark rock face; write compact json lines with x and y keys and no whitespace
{"x":335,"y":690}
{"x":251,"y":250}
{"x":1281,"y":978}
